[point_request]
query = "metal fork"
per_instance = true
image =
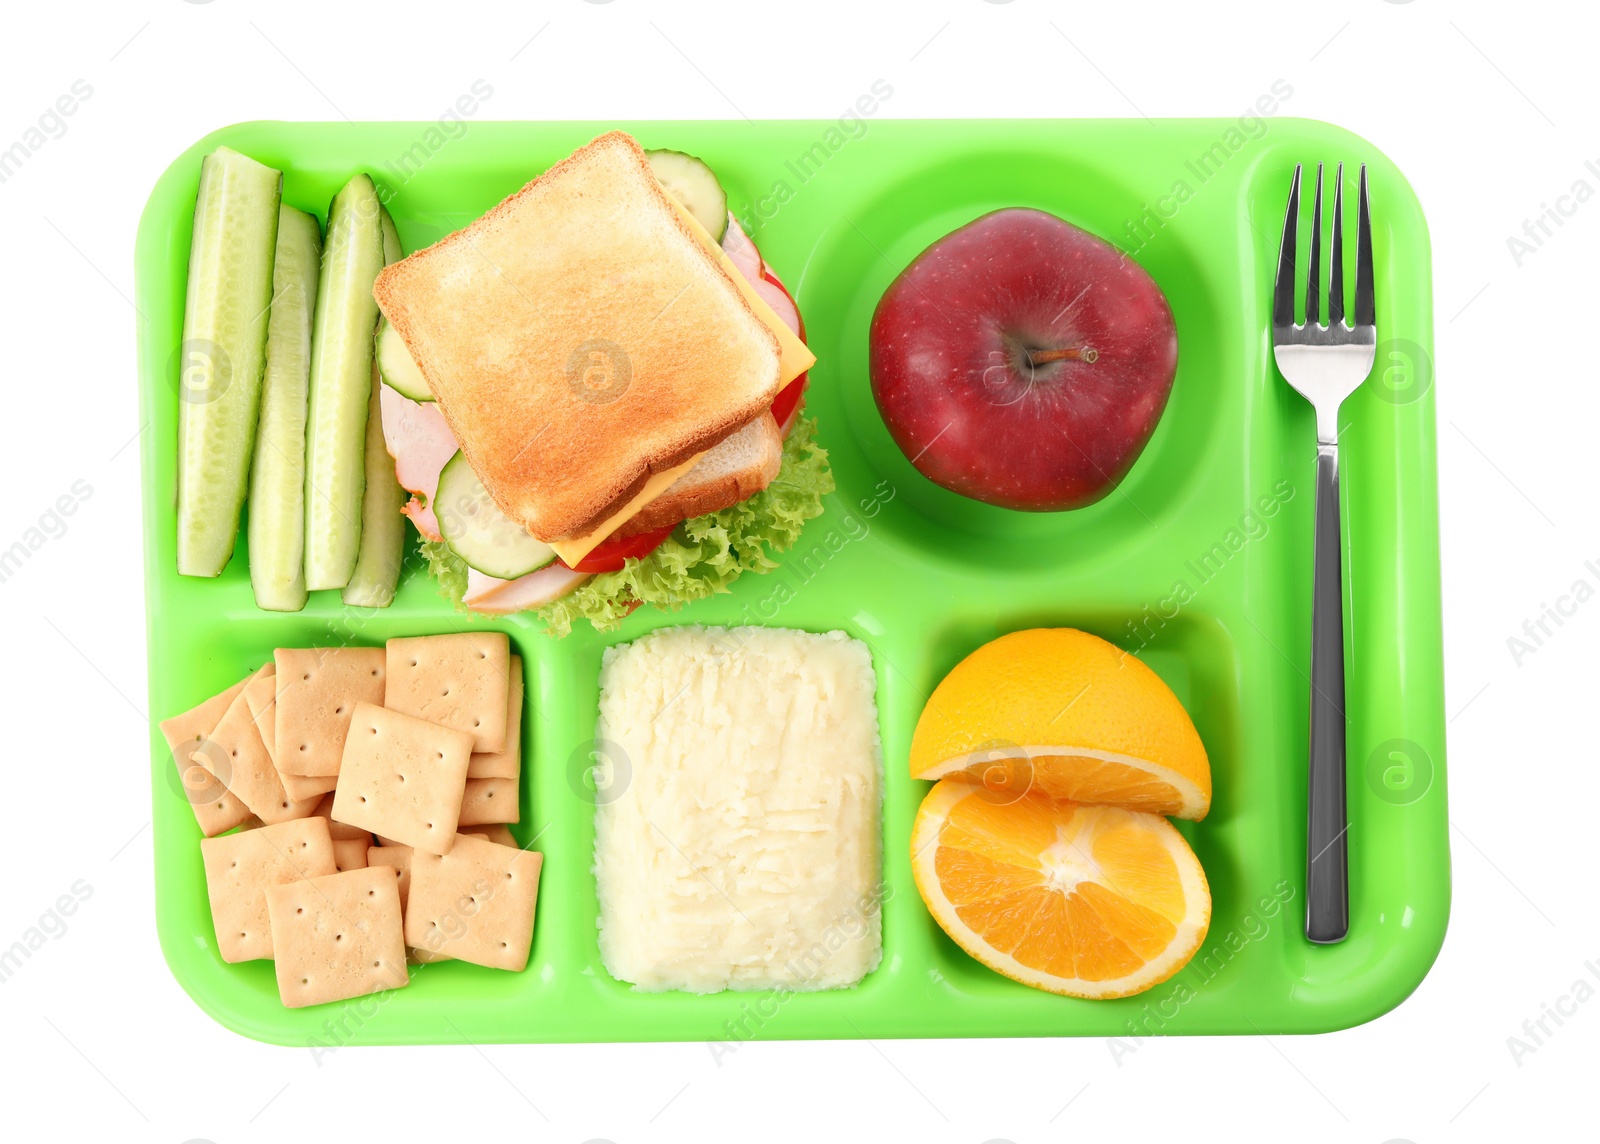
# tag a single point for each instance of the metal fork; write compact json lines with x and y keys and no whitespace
{"x":1326,"y":364}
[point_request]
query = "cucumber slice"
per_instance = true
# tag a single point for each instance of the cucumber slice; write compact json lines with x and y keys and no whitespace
{"x":341,"y":384}
{"x":223,"y":352}
{"x":398,"y":368}
{"x":395,"y":364}
{"x":277,"y":525}
{"x":478,"y":532}
{"x":383,"y":535}
{"x":692,"y":183}
{"x":391,"y":238}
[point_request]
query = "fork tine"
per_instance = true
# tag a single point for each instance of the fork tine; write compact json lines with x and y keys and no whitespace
{"x":1336,"y":254}
{"x":1283,"y":292}
{"x":1314,"y":271}
{"x":1365,"y":310}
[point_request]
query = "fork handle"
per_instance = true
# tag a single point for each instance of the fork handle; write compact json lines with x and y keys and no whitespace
{"x":1327,"y":867}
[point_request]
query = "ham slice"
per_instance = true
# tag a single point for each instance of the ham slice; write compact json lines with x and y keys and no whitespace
{"x":773,"y":293}
{"x":741,"y":251}
{"x":536,"y":589}
{"x":743,"y":254}
{"x":420,"y":441}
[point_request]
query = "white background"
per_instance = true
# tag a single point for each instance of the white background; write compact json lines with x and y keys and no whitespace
{"x":1489,"y":109}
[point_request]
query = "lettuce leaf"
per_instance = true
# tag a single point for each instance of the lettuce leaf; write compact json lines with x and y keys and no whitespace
{"x":447,"y":568}
{"x":701,"y":557}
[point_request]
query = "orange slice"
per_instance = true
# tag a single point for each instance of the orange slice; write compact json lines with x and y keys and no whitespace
{"x":1066,"y":713}
{"x":1089,"y":901}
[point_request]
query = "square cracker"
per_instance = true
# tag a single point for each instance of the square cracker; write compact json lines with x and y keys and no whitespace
{"x":298,"y":786}
{"x":337,"y":936}
{"x":340,"y":831}
{"x":215,"y":808}
{"x":402,"y":778}
{"x":260,"y":693}
{"x":350,"y":854}
{"x":507,"y":762}
{"x":240,"y":867}
{"x":399,"y":857}
{"x":475,"y":903}
{"x":488,"y":802}
{"x":318,"y":689}
{"x":461,"y":681}
{"x":235,"y":754}
{"x":494,"y":833}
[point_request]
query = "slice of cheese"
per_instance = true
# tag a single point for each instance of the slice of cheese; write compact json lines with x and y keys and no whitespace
{"x":574,"y":550}
{"x":794,"y":359}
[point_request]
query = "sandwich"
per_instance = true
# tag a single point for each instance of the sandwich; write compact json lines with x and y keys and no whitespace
{"x":593,"y":394}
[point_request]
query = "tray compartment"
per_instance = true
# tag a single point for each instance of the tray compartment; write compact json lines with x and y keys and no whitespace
{"x":895,"y":224}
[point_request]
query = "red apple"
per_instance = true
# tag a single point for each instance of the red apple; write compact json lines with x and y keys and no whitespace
{"x":1023,"y":362}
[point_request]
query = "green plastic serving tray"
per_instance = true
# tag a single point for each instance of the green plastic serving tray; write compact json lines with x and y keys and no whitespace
{"x":1200,"y":562}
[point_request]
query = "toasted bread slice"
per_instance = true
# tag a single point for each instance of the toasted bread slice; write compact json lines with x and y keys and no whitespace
{"x":740,"y":467}
{"x":579,"y":338}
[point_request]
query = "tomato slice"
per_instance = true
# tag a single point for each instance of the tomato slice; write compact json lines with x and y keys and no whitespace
{"x":788,"y":402}
{"x":610,"y":555}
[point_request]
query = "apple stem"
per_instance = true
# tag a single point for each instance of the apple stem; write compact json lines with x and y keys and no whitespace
{"x":1079,"y":353}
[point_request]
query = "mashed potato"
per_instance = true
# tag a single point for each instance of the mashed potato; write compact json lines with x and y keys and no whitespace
{"x":737,"y":829}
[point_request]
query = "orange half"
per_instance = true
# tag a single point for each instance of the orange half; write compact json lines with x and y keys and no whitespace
{"x":1065,"y":713}
{"x":1088,"y":901}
